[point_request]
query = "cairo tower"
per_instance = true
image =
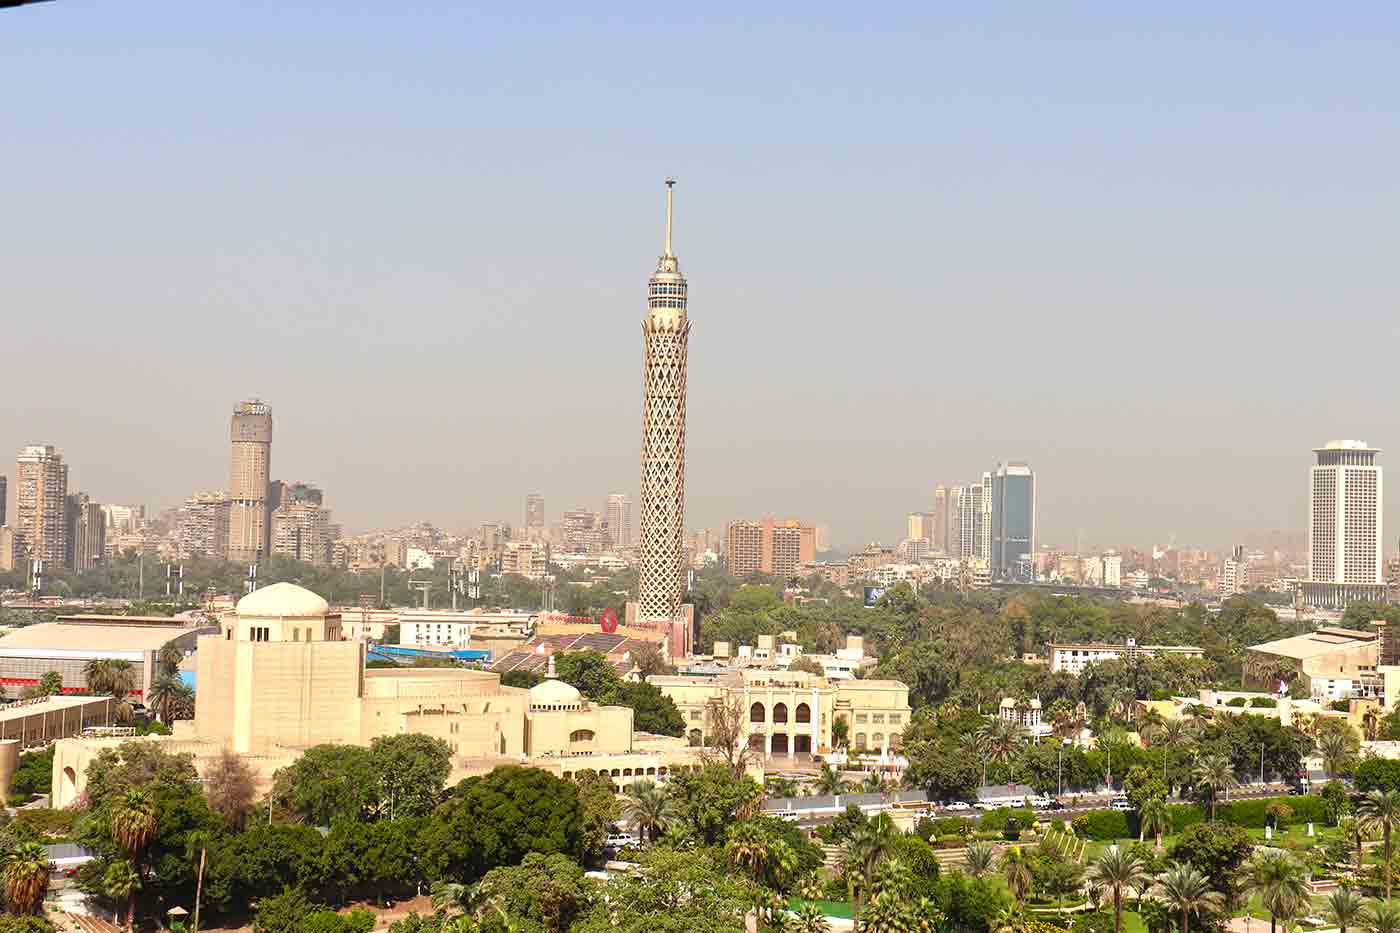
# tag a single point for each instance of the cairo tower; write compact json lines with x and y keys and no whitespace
{"x":665,"y":339}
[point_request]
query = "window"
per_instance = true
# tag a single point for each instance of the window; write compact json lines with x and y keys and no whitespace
{"x":804,"y":712}
{"x":296,"y":634}
{"x":861,"y":718}
{"x":695,"y":715}
{"x":756,"y":713}
{"x":780,"y":712}
{"x":896,"y":719}
{"x":581,"y":735}
{"x":877,"y":717}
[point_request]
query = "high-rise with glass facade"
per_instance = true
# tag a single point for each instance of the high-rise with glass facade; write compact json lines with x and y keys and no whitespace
{"x":1013,"y":517}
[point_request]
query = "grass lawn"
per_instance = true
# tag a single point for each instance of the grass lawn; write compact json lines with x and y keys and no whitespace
{"x":841,"y":909}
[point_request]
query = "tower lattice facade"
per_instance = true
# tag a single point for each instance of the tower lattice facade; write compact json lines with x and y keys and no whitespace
{"x":665,"y":341}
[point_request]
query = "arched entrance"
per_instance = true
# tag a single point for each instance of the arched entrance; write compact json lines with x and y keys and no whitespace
{"x":756,"y":713}
{"x":802,"y":744}
{"x":780,"y":712}
{"x":780,"y":743}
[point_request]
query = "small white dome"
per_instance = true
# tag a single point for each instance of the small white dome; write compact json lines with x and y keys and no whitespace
{"x":554,"y":693}
{"x":283,"y":601}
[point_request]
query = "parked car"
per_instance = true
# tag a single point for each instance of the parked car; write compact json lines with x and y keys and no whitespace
{"x":620,"y":840}
{"x":789,"y":815}
{"x":958,"y":805}
{"x":1040,"y":802}
{"x":1121,"y":804}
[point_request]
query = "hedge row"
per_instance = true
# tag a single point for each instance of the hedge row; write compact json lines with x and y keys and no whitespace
{"x":1103,"y":825}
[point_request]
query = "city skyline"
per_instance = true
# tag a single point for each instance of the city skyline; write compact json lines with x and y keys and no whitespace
{"x":1105,"y":237}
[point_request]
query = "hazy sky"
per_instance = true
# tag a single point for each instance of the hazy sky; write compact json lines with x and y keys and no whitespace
{"x":1151,"y":251}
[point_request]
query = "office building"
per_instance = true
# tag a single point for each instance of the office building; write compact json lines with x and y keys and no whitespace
{"x":666,"y":342}
{"x":41,"y":505}
{"x":952,"y":528}
{"x":124,"y":519}
{"x":781,"y":553}
{"x":86,"y":533}
{"x":1112,"y":569}
{"x":4,"y":499}
{"x":581,"y":532}
{"x":534,"y":515}
{"x":618,"y":515}
{"x":7,"y":548}
{"x":1344,"y":526}
{"x":938,"y":539}
{"x":1013,"y":519}
{"x":250,"y":526}
{"x":203,"y":526}
{"x":771,"y":547}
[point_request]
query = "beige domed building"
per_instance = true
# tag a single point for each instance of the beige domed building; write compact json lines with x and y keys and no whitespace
{"x":280,"y":677}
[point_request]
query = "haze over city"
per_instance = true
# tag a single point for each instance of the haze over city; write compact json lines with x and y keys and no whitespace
{"x":1150,"y":257}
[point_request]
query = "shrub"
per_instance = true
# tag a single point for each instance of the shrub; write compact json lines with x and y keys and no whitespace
{"x":952,"y":826}
{"x":1012,"y":829}
{"x":1102,"y":825}
{"x":1340,"y":706}
{"x":996,"y":819}
{"x":1263,"y":703}
{"x":1236,"y":701}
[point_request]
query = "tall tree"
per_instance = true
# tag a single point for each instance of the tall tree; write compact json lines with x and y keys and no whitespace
{"x":1380,"y":809}
{"x":1281,"y":883}
{"x":1188,"y":892}
{"x":1214,"y":775}
{"x":121,"y":882}
{"x":649,"y":808}
{"x":1118,"y":869}
{"x":229,"y":786}
{"x":1345,"y":907}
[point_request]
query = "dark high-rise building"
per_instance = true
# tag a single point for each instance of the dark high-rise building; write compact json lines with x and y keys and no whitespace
{"x":41,"y":505}
{"x":534,"y":514}
{"x":87,"y":532}
{"x":1013,"y":517}
{"x":4,"y":492}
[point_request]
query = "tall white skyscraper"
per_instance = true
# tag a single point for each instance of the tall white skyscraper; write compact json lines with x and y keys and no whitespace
{"x":666,"y":341}
{"x":1344,"y":526}
{"x":618,"y":514}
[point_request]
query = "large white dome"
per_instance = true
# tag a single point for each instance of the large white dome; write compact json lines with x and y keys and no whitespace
{"x":283,"y":601}
{"x":552,"y":694}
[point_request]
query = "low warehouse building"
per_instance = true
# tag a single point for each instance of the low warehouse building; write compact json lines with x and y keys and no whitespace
{"x":66,"y":646}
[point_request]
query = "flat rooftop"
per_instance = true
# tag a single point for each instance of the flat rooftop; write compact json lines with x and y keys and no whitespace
{"x":88,"y":639}
{"x":1323,"y":641}
{"x":54,"y":704}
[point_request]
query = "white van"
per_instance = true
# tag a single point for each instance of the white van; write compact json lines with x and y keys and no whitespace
{"x":1121,"y":804}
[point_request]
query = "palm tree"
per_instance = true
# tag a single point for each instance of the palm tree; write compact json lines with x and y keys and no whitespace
{"x":1345,"y":907}
{"x":812,"y":919}
{"x":51,"y":684}
{"x":980,"y":857}
{"x":449,"y":895}
{"x":170,"y":658}
{"x":874,"y":784}
{"x":1199,"y":714}
{"x":1187,"y":891}
{"x":766,"y":858}
{"x":1154,"y":818}
{"x":1335,"y":751}
{"x":123,"y":678}
{"x":26,"y":876}
{"x":1119,"y":870}
{"x":120,"y":883}
{"x":829,"y":781}
{"x":165,"y":690}
{"x":1281,"y":883}
{"x":1213,"y":772}
{"x":1016,"y":869}
{"x":134,"y":823}
{"x":865,"y":849}
{"x":1380,"y":809}
{"x":648,"y":809}
{"x":1001,"y":741}
{"x":98,"y":675}
{"x":1383,"y":917}
{"x":1149,"y":724}
{"x":1370,"y":723}
{"x":1175,"y":733}
{"x":780,"y":787}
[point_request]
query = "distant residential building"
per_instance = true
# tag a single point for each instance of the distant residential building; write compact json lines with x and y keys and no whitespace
{"x":527,"y":558}
{"x":953,"y":524}
{"x":1234,"y":574}
{"x":975,"y":518}
{"x":743,"y":547}
{"x":124,"y":519}
{"x":301,"y":530}
{"x":772,"y":547}
{"x":1073,"y":658}
{"x":203,"y":526}
{"x":618,"y":515}
{"x":1028,"y":714}
{"x":7,"y":548}
{"x":395,"y":553}
{"x":1112,"y":570}
{"x":86,"y":532}
{"x":534,"y":514}
{"x":1013,"y":506}
{"x":1344,"y":526}
{"x":41,"y":505}
{"x":417,"y":558}
{"x":4,"y":499}
{"x":581,"y":531}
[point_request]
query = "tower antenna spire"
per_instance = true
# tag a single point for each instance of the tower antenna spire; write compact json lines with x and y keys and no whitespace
{"x":670,"y":183}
